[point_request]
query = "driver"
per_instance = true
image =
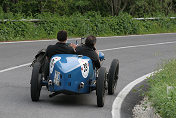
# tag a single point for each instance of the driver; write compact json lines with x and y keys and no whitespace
{"x":88,"y":49}
{"x":61,"y":47}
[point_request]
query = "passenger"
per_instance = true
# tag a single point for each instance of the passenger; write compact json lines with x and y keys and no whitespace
{"x":88,"y":49}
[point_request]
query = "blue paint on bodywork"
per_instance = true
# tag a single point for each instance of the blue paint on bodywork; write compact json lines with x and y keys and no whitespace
{"x":70,"y":74}
{"x":101,"y":56}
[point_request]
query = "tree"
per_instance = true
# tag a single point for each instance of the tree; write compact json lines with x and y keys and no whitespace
{"x":117,"y":6}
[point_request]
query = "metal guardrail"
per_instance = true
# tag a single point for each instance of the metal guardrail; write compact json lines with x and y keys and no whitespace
{"x":38,"y":20}
{"x":155,"y":18}
{"x":25,"y":20}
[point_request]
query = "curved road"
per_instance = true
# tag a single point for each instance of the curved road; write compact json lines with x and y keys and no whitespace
{"x":138,"y":56}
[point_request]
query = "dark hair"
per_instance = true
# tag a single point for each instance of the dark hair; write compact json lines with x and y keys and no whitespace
{"x":62,"y":35}
{"x":90,"y":41}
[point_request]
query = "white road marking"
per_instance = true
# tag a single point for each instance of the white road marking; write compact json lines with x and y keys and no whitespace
{"x":13,"y":42}
{"x":152,"y":44}
{"x":34,"y":41}
{"x":116,"y":107}
{"x":121,"y":96}
{"x":15,"y":67}
{"x":138,"y":35}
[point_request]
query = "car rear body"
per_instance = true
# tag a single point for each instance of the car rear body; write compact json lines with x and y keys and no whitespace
{"x":71,"y":74}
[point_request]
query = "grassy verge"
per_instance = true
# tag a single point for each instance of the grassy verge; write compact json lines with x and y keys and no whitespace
{"x":82,"y":25}
{"x":162,"y":92}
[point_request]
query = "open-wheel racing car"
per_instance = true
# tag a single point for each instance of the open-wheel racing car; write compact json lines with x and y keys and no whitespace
{"x":73,"y":74}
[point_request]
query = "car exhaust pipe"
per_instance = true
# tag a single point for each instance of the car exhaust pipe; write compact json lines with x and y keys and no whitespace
{"x":50,"y":82}
{"x":81,"y":85}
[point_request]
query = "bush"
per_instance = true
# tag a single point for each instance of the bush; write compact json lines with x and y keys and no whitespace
{"x":164,"y":102}
{"x":91,"y":23}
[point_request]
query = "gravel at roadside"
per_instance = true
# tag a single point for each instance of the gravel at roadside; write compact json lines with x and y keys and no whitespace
{"x":144,"y":110}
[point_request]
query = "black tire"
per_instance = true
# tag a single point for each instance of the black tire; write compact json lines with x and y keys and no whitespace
{"x":113,"y":76}
{"x":41,"y":59}
{"x":100,"y":86}
{"x":36,"y":82}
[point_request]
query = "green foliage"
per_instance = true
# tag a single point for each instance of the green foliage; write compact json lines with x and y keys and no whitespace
{"x":17,"y":31}
{"x":91,"y":23}
{"x":1,"y":13}
{"x":146,"y":7}
{"x":137,"y":8}
{"x":164,"y":101}
{"x":164,"y":24}
{"x":61,"y":7}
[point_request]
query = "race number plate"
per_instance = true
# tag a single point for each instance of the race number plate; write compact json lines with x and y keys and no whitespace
{"x":84,"y":67}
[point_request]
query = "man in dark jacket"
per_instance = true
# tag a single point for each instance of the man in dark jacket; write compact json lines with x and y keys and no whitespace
{"x":61,"y":47}
{"x":88,"y":49}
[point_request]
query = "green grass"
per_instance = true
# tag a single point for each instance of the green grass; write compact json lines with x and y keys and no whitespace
{"x":164,"y":102}
{"x":79,"y":25}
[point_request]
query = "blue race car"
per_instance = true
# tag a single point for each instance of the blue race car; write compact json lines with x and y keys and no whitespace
{"x":73,"y":74}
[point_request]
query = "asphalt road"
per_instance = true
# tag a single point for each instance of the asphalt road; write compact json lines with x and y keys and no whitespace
{"x":15,"y":101}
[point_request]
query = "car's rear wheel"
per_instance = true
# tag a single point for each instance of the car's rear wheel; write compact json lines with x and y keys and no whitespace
{"x":100,"y":86}
{"x":113,"y":76}
{"x":36,"y":82}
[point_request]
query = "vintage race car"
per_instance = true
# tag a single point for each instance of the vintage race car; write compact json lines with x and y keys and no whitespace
{"x":73,"y":74}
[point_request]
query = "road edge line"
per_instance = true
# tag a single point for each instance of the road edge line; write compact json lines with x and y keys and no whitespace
{"x":31,"y":41}
{"x":15,"y":67}
{"x":138,"y":35}
{"x":116,"y":107}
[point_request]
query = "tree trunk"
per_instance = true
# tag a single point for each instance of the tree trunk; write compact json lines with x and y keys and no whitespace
{"x":14,"y":1}
{"x":124,"y":6}
{"x":111,"y":3}
{"x":5,"y":7}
